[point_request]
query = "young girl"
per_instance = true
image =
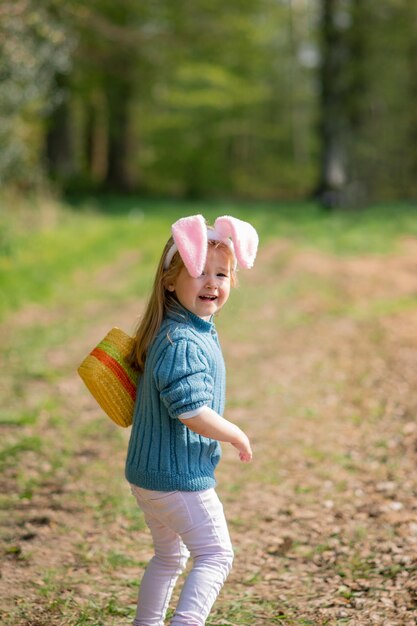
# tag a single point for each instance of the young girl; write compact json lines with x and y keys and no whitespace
{"x":177,"y":425}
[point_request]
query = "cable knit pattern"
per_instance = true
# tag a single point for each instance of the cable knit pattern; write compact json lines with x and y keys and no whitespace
{"x":184,"y":370}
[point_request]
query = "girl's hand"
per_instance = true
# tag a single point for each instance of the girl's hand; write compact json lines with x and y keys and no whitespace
{"x":245,"y":450}
{"x":208,"y":423}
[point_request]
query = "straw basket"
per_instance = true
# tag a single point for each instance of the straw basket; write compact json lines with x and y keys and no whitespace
{"x":110,"y":378}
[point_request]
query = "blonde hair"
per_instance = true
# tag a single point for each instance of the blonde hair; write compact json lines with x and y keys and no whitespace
{"x":162,"y":300}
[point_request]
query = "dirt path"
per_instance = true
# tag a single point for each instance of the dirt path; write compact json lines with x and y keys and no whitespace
{"x":321,"y":373}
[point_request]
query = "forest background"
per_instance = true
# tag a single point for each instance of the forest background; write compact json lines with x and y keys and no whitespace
{"x":265,"y":99}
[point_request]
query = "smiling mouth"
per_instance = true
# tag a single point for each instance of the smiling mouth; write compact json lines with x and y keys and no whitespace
{"x":208,"y":298}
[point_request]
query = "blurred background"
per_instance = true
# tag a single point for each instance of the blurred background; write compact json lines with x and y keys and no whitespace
{"x":250,"y":99}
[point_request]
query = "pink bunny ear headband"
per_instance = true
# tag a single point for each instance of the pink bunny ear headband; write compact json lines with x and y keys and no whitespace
{"x":191,"y":235}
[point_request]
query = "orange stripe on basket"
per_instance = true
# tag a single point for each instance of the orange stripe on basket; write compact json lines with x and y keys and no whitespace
{"x":117,"y":369}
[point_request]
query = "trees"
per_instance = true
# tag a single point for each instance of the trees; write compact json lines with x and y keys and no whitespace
{"x":249,"y":98}
{"x":179,"y":99}
{"x":100,"y":89}
{"x":34,"y":45}
{"x":343,"y":97}
{"x":366,"y":77}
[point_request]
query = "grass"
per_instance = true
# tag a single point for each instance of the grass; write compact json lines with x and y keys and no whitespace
{"x":248,"y":610}
{"x":10,"y":454}
{"x":46,"y":246}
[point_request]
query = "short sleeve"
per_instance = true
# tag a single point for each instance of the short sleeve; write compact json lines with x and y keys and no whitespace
{"x":183,"y":379}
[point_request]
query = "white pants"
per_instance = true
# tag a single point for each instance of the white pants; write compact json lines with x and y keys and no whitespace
{"x":183,"y":523}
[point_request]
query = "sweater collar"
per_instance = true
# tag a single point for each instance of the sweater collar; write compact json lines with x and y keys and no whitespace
{"x":181,"y":314}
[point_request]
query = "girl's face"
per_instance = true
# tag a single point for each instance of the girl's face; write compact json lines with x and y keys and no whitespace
{"x":205,"y":295}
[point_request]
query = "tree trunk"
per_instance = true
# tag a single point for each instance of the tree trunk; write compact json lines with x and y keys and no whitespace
{"x":59,"y":145}
{"x":412,"y":56}
{"x":121,"y":174}
{"x":97,"y":138}
{"x":357,"y":99}
{"x":333,"y":123}
{"x":344,"y":100}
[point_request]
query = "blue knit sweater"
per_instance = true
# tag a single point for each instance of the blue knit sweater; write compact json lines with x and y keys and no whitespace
{"x":184,"y":370}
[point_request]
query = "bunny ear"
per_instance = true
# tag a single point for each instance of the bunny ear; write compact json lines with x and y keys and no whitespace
{"x":244,"y":236}
{"x":190,"y":236}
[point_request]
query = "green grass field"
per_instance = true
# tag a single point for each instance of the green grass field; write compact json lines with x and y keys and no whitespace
{"x":44,"y":249}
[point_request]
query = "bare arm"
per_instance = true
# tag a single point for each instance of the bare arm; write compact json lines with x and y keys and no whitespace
{"x":210,"y":424}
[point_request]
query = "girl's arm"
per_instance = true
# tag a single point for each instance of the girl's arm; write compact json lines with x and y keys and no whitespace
{"x":210,"y":424}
